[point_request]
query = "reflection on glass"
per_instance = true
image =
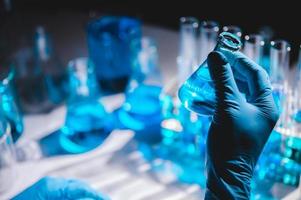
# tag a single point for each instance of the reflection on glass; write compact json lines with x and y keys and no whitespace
{"x":86,"y":119}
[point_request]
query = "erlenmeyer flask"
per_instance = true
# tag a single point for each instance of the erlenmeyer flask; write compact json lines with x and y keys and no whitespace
{"x":142,"y":104}
{"x":197,"y":93}
{"x":86,"y":119}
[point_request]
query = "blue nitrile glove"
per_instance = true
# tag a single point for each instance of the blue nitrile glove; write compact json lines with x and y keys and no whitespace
{"x":58,"y":188}
{"x":240,"y":127}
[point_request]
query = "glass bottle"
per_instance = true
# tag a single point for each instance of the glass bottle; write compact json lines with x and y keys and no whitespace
{"x":86,"y":120}
{"x":197,"y":93}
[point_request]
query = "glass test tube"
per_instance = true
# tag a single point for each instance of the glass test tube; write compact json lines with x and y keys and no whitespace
{"x":207,"y":39}
{"x":253,"y":47}
{"x":279,"y":69}
{"x":279,"y":61}
{"x":235,"y":30}
{"x":187,"y":58}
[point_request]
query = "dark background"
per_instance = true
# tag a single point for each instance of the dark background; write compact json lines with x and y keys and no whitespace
{"x":282,"y":16}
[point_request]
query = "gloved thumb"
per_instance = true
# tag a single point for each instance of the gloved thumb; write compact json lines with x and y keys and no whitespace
{"x":221,"y":73}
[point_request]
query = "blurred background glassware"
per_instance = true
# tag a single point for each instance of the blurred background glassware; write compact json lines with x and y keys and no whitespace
{"x":142,"y":107}
{"x":268,"y":34}
{"x":7,"y":157}
{"x":197,"y":93}
{"x":37,"y":89}
{"x":9,"y":107}
{"x":279,"y":71}
{"x":109,"y":40}
{"x":53,"y":70}
{"x":235,"y":30}
{"x":187,"y":58}
{"x":86,"y":120}
{"x":253,"y":48}
{"x":207,"y":39}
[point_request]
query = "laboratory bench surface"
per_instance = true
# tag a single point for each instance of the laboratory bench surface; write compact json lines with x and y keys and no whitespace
{"x":116,"y":168}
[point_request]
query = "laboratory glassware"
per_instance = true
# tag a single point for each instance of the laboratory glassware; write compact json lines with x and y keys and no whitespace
{"x":235,"y":30}
{"x":279,"y":70}
{"x":142,"y":107}
{"x":109,"y":39}
{"x":197,"y":93}
{"x":9,"y":107}
{"x":253,"y":47}
{"x":30,"y":80}
{"x":86,"y":120}
{"x":7,"y":158}
{"x":47,"y":60}
{"x":187,"y":58}
{"x":207,"y":38}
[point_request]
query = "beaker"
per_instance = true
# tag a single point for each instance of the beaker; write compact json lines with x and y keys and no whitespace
{"x":197,"y":93}
{"x":142,"y":104}
{"x":109,"y":39}
{"x":86,"y":119}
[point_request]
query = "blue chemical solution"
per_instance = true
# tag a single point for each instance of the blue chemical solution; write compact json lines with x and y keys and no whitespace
{"x":85,"y":127}
{"x":197,"y":93}
{"x":142,"y":107}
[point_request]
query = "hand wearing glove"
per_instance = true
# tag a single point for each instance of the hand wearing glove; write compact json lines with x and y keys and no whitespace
{"x":240,"y":127}
{"x":57,"y":189}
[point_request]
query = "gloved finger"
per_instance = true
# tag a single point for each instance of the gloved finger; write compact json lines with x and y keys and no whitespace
{"x":222,"y":76}
{"x":75,"y":189}
{"x":256,"y":77}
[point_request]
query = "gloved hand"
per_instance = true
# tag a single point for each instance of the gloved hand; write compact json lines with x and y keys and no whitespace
{"x":240,"y":127}
{"x":57,"y":189}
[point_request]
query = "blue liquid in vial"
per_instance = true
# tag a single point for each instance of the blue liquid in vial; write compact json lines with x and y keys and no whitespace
{"x":141,"y":108}
{"x":85,"y":127}
{"x":197,"y":93}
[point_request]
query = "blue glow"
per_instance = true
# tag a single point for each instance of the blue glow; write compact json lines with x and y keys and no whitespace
{"x":142,"y":107}
{"x":197,"y":93}
{"x":84,"y":128}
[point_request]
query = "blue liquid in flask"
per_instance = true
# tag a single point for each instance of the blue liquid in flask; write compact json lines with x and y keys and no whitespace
{"x":197,"y":93}
{"x":85,"y":127}
{"x":142,"y":107}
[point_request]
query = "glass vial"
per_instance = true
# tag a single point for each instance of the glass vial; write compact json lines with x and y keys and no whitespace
{"x":197,"y":93}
